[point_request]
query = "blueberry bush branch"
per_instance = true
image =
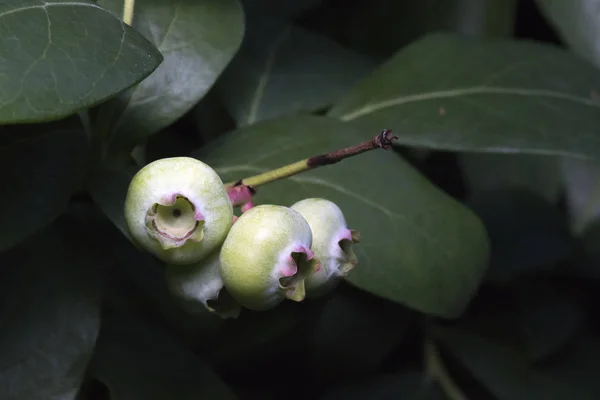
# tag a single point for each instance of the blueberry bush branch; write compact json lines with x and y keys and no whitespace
{"x":128,"y":7}
{"x":241,"y":191}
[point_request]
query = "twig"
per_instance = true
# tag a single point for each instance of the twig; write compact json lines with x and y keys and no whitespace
{"x":128,"y":7}
{"x":382,"y":141}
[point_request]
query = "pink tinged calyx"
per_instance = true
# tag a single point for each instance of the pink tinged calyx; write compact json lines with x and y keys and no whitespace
{"x":174,"y":221}
{"x":293,"y":271}
{"x":345,"y":241}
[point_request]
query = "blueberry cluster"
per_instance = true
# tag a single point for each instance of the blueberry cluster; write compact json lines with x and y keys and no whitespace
{"x":179,"y":210}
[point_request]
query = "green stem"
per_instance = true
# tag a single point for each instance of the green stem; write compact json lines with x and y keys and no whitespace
{"x":382,"y":141}
{"x":128,"y":11}
{"x":437,"y":371}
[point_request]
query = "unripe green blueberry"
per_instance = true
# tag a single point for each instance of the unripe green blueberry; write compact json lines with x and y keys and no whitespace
{"x":199,"y":288}
{"x":178,"y":209}
{"x":332,"y":244}
{"x":266,"y":257}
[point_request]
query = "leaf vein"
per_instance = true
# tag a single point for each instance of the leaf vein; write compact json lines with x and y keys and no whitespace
{"x":467,"y":91}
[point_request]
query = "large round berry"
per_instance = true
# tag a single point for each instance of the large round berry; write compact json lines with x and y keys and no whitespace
{"x":266,"y":257}
{"x":178,"y":209}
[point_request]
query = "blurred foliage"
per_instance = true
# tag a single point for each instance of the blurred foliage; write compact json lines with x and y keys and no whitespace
{"x":479,"y":264}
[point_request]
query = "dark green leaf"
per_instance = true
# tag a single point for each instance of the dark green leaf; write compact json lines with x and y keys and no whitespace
{"x":581,"y":180}
{"x":418,"y":246}
{"x":527,"y":234}
{"x":381,"y":27}
{"x":549,"y":320}
{"x":287,"y":9}
{"x":578,"y":367}
{"x":50,"y":313}
{"x":198,"y":39}
{"x":62,"y":56}
{"x":282,"y":69}
{"x":406,"y":386}
{"x":40,"y":167}
{"x":257,"y":336}
{"x":501,"y":370}
{"x":137,"y":360}
{"x":108,"y":187}
{"x":578,"y":23}
{"x":211,"y":117}
{"x":489,"y":171}
{"x":353,"y":334}
{"x":535,"y":318}
{"x":586,"y":263}
{"x":444,"y":92}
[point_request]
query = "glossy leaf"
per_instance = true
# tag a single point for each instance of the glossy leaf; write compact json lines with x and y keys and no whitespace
{"x":197,"y":39}
{"x":283,"y":69}
{"x":138,"y":360}
{"x":54,"y":64}
{"x":577,"y":22}
{"x":508,"y":96}
{"x":418,"y":246}
{"x":40,"y":168}
{"x":50,"y":316}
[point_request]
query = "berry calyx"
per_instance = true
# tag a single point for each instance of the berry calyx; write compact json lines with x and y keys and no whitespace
{"x":266,"y":257}
{"x":332,"y":244}
{"x":178,"y":209}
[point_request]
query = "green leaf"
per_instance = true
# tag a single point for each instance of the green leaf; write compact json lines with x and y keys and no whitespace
{"x":50,"y":316}
{"x":578,"y":367}
{"x":419,"y":247}
{"x":581,"y":181}
{"x":256,"y":336}
{"x":283,"y":9}
{"x":198,"y":39}
{"x":527,"y":234}
{"x":577,"y":22}
{"x":62,"y":56}
{"x":444,"y":92}
{"x":501,"y":370}
{"x":283,"y":69}
{"x":354,"y":333}
{"x":108,"y":187}
{"x":550,"y":319}
{"x":40,"y":167}
{"x":381,"y":27}
{"x":135,"y":359}
{"x":490,"y":171}
{"x":536,"y":318}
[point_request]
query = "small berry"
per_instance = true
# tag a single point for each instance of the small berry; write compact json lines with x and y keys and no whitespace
{"x":332,"y":244}
{"x":178,"y":209}
{"x":199,"y":287}
{"x":266,"y":257}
